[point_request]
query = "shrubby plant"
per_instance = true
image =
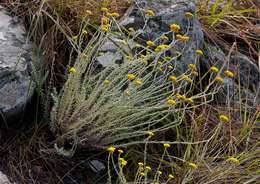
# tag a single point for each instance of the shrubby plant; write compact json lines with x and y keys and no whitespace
{"x":119,"y":105}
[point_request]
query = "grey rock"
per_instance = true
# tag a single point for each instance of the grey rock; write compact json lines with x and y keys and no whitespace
{"x":96,"y":166}
{"x":4,"y":179}
{"x":167,"y":12}
{"x":15,"y":59}
{"x":247,"y":75}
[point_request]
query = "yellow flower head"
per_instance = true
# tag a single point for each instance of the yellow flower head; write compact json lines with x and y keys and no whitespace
{"x":188,"y":14}
{"x":85,"y":32}
{"x":150,"y":133}
{"x":122,"y":161}
{"x":229,"y":74}
{"x":120,"y":151}
{"x":189,"y":100}
{"x":214,"y":69}
{"x":175,"y":28}
{"x":141,"y":164}
{"x":187,"y":78}
{"x":138,"y":82}
{"x":105,"y":27}
{"x":88,"y":13}
{"x":104,"y":9}
{"x":199,"y":52}
{"x":108,"y":14}
{"x":159,"y":172}
{"x":166,"y":146}
{"x":193,"y":165}
{"x":104,"y":20}
{"x":111,"y":149}
{"x":178,"y":36}
{"x":173,"y":78}
{"x":171,"y":176}
{"x":192,"y":67}
{"x":150,"y":43}
{"x":127,"y":93}
{"x":233,"y":160}
{"x":148,"y":168}
{"x":150,"y":13}
{"x":131,"y":76}
{"x":106,"y":82}
{"x":224,"y":118}
{"x":142,"y":174}
{"x":72,"y":70}
{"x":185,"y":38}
{"x":171,"y":102}
{"x":131,"y":29}
{"x":160,"y":63}
{"x":181,"y":97}
{"x":159,"y":48}
{"x":219,"y":79}
{"x":116,"y":15}
{"x":170,"y":67}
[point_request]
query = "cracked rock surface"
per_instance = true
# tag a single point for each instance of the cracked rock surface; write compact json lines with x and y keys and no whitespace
{"x":167,"y":12}
{"x":15,"y":60}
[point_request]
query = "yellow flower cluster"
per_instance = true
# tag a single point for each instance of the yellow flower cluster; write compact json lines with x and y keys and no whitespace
{"x":219,"y":79}
{"x":181,"y":97}
{"x":214,"y":69}
{"x":138,"y":82}
{"x":88,"y":13}
{"x":122,"y":161}
{"x":162,"y":47}
{"x":229,"y":74}
{"x":105,"y":22}
{"x":233,"y":160}
{"x":131,"y":76}
{"x":171,"y":102}
{"x":175,"y":28}
{"x":150,"y":133}
{"x":173,"y":79}
{"x":183,"y":38}
{"x":188,"y":14}
{"x":150,"y":43}
{"x":199,"y":52}
{"x":106,"y":82}
{"x":72,"y":70}
{"x":148,"y":168}
{"x":193,"y":165}
{"x":111,"y":149}
{"x":224,"y":118}
{"x":192,"y":67}
{"x":150,"y":13}
{"x":166,"y":146}
{"x":187,"y":78}
{"x":171,"y":176}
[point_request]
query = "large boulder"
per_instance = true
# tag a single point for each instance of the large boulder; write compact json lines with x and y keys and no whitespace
{"x":16,"y":86}
{"x":167,"y":12}
{"x":247,"y":74}
{"x":4,"y":179}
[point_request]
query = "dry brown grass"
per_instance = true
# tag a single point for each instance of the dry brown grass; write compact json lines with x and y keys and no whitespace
{"x":226,"y":22}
